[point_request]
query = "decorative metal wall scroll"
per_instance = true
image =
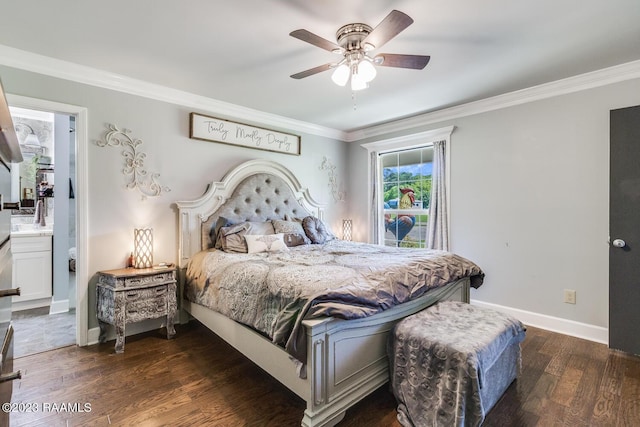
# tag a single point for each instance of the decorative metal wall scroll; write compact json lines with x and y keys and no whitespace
{"x":137,"y":176}
{"x":326,"y":164}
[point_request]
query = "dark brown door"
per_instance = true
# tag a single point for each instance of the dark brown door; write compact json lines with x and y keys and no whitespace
{"x":624,"y":230}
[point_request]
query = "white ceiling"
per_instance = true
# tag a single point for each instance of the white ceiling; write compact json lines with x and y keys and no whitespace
{"x":241,"y":52}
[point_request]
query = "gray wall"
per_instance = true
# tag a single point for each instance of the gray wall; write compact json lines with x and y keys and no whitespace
{"x":184,"y":165}
{"x":529,"y":200}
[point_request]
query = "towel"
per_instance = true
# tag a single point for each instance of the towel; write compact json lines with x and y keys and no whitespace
{"x":38,"y":218}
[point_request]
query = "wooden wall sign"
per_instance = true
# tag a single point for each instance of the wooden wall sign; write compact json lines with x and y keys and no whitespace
{"x":218,"y":130}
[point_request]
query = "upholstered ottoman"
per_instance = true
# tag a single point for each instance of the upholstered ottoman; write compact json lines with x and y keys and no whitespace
{"x":451,"y":362}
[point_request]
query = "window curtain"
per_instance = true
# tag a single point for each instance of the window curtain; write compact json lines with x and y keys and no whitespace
{"x":438,"y":226}
{"x":375,"y":208}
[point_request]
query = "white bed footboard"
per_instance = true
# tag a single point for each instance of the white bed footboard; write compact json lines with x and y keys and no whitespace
{"x":347,"y":359}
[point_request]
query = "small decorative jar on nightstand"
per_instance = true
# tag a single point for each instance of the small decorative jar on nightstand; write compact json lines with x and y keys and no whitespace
{"x":130,"y":295}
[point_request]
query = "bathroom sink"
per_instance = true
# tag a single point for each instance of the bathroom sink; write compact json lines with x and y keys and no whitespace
{"x":28,"y":230}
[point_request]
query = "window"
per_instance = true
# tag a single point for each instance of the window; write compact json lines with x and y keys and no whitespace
{"x":415,"y":167}
{"x":406,"y":189}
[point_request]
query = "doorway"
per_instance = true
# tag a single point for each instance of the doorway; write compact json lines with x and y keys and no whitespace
{"x":624,"y":253}
{"x":43,"y":231}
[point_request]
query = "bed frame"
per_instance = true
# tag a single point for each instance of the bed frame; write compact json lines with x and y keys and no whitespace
{"x":346,"y":359}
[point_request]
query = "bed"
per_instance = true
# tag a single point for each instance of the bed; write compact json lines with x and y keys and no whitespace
{"x":331,"y":353}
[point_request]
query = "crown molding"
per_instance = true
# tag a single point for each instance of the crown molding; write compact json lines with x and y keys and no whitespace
{"x":52,"y":67}
{"x":606,"y":76}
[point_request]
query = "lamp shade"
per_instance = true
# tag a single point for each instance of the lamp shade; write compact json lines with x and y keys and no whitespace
{"x":366,"y":70}
{"x":341,"y":75}
{"x":357,"y":83}
{"x":347,"y":226}
{"x":143,"y":247}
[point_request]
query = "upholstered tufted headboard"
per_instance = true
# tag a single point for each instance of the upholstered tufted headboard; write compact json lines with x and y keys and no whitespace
{"x":259,"y":197}
{"x":257,"y":190}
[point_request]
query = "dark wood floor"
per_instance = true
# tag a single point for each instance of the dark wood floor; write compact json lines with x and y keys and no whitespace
{"x":197,"y":379}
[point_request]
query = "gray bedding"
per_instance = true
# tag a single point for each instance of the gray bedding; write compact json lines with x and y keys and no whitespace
{"x":440,"y":360}
{"x":273,"y":292}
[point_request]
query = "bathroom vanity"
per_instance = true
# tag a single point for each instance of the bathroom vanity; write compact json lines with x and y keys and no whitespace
{"x":32,"y":271}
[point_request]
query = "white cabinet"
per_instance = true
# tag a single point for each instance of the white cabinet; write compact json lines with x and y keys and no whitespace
{"x":32,"y":271}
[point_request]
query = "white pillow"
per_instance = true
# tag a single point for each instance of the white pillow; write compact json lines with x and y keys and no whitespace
{"x":265,"y":243}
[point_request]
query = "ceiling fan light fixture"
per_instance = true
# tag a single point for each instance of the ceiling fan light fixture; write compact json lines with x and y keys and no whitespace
{"x":340,"y":75}
{"x":366,"y":70}
{"x":357,"y":83}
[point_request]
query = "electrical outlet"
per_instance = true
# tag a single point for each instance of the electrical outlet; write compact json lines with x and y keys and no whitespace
{"x":569,"y":296}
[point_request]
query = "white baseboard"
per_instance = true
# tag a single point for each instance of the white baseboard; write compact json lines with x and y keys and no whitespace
{"x":554,"y":324}
{"x":59,"y":306}
{"x":586,"y":331}
{"x":93,"y":335}
{"x":28,"y":305}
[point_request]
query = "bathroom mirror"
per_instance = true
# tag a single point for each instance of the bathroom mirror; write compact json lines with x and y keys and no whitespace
{"x":34,"y":177}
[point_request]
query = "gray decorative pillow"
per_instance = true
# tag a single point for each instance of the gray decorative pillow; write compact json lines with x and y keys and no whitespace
{"x":257,"y":227}
{"x":232,"y":238}
{"x":287,"y":217}
{"x":291,"y":239}
{"x":316,"y":230}
{"x":215,"y":231}
{"x":294,"y":234}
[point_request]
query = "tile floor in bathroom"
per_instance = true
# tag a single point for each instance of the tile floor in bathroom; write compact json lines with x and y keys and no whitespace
{"x":36,"y":330}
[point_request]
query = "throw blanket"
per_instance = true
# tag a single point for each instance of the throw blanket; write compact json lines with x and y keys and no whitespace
{"x":274,"y":292}
{"x":438,"y":360}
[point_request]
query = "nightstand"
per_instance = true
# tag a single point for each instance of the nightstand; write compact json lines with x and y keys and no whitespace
{"x":130,"y":295}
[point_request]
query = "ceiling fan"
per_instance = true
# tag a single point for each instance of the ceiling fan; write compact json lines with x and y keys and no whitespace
{"x":355,"y":43}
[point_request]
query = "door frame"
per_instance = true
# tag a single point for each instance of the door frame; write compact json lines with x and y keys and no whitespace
{"x":82,"y":278}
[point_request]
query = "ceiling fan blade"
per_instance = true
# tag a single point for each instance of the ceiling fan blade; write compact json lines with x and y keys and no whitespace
{"x":390,"y":27}
{"x":312,"y":71}
{"x":416,"y":62}
{"x":318,"y":41}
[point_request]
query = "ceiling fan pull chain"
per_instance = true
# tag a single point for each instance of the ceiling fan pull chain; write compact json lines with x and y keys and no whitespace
{"x":353,"y":98}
